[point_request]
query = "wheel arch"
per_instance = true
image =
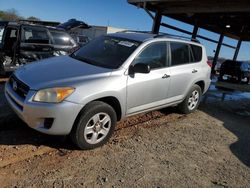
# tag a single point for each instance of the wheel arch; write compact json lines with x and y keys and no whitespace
{"x":201,"y":84}
{"x":110,"y":100}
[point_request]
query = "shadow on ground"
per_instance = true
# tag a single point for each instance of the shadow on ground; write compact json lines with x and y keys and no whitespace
{"x":230,"y":107}
{"x":233,"y":109}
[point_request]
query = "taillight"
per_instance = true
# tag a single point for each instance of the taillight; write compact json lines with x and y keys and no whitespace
{"x":210,"y":63}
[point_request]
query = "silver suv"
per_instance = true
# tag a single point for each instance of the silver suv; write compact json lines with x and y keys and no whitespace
{"x":114,"y":76}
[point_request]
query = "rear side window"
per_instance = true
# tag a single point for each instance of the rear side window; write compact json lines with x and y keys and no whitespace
{"x":33,"y":34}
{"x":197,"y":53}
{"x":180,"y":53}
{"x":61,"y":38}
{"x":155,"y":55}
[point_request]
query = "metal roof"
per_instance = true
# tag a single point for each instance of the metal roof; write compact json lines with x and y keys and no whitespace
{"x":230,"y":17}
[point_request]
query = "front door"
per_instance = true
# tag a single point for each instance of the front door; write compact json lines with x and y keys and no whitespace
{"x":146,"y":91}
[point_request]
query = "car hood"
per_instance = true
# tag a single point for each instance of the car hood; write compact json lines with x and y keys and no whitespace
{"x":58,"y":71}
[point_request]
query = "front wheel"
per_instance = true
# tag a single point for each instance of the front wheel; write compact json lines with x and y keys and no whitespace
{"x":192,"y":100}
{"x":95,"y":125}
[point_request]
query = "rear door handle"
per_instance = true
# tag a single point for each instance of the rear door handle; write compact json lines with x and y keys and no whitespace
{"x":194,"y":71}
{"x":165,"y":76}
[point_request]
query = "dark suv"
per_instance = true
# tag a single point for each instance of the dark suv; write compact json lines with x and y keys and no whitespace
{"x":22,"y":42}
{"x":235,"y":71}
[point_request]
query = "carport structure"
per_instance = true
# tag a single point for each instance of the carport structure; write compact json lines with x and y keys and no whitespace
{"x":229,"y":18}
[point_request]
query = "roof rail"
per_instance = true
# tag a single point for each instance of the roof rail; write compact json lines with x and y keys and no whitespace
{"x":39,"y":22}
{"x":161,"y":35}
{"x":134,"y":31}
{"x":176,"y":37}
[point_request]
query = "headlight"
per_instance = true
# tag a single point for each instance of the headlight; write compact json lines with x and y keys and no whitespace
{"x":53,"y":95}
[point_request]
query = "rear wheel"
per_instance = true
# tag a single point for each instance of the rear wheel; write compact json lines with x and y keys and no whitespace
{"x":95,"y":125}
{"x":192,"y":100}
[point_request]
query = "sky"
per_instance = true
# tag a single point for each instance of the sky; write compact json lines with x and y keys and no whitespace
{"x":115,"y":13}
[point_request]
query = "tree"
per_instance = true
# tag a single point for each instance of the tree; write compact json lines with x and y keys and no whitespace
{"x":13,"y":15}
{"x":33,"y":18}
{"x":10,"y":15}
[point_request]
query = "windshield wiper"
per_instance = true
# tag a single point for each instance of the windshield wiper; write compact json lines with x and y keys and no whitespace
{"x":85,"y":60}
{"x":88,"y":61}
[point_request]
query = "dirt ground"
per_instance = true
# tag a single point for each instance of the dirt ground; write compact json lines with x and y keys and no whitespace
{"x":209,"y":148}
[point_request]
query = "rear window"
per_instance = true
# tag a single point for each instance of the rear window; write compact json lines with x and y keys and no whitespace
{"x":33,"y":34}
{"x":61,"y":38}
{"x":180,"y":53}
{"x":197,"y":53}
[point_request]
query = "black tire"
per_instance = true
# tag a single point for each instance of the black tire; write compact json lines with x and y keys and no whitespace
{"x":220,"y":78}
{"x":79,"y":134}
{"x":239,"y":77}
{"x":184,"y":106}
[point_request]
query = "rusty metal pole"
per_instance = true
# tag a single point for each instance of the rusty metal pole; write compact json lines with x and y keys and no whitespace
{"x":237,"y":50}
{"x":217,"y":52}
{"x":157,"y":23}
{"x":195,"y":31}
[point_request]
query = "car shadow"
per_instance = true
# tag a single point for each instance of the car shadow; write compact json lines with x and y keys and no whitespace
{"x":234,"y":112}
{"x":13,"y":131}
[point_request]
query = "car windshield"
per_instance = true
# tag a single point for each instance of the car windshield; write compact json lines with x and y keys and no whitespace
{"x":106,"y":51}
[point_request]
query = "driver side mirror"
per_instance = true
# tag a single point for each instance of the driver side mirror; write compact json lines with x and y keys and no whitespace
{"x":139,"y":68}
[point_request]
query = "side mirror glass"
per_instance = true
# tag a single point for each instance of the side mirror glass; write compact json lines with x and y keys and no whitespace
{"x":139,"y":68}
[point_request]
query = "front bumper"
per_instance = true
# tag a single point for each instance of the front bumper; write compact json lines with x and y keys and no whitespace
{"x":35,"y":114}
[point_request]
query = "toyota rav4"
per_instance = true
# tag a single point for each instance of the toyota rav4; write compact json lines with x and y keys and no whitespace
{"x":112,"y":77}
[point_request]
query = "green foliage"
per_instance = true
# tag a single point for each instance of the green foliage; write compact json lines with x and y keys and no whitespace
{"x":33,"y":18}
{"x":13,"y":15}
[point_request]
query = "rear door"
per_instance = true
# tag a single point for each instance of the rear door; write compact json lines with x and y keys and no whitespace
{"x":185,"y":67}
{"x":35,"y":43}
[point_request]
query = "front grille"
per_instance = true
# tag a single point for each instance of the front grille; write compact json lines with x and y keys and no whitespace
{"x":18,"y":87}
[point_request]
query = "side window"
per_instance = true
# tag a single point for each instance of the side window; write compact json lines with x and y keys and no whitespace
{"x":61,"y":38}
{"x":13,"y":33}
{"x":33,"y":34}
{"x":197,"y":53}
{"x":1,"y":33}
{"x":180,"y":53}
{"x":155,"y":55}
{"x":10,"y":39}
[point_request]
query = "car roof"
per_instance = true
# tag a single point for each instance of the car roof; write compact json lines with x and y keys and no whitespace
{"x":232,"y":61}
{"x":18,"y":23}
{"x":141,"y":37}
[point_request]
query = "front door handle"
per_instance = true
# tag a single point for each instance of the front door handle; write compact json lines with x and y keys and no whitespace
{"x":165,"y":76}
{"x":194,"y":71}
